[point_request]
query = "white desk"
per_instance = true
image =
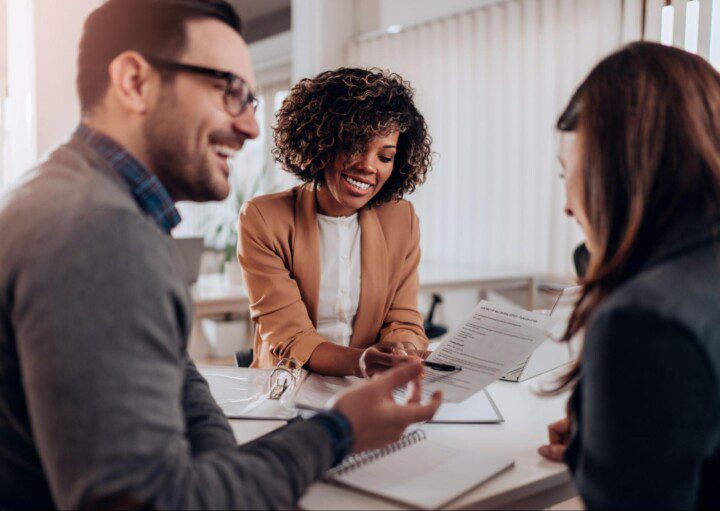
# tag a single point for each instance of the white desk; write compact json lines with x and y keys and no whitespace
{"x":214,"y":294}
{"x":443,"y":277}
{"x":533,"y":483}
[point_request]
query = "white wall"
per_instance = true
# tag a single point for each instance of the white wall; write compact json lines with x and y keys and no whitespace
{"x":272,"y":59}
{"x":320,"y":32}
{"x":374,"y":15}
{"x":321,"y":29}
{"x":18,"y":112}
{"x":58,"y":26}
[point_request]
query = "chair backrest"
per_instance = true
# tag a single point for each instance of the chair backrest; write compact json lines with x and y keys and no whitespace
{"x":244,"y":357}
{"x":431,"y":330}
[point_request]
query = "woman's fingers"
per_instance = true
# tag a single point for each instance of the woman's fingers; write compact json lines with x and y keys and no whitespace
{"x":554,"y":452}
{"x":559,"y":434}
{"x":386,"y":359}
{"x":399,"y":349}
{"x":379,"y":358}
{"x":559,"y":431}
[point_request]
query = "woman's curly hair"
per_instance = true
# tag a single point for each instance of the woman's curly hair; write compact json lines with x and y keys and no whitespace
{"x":339,"y":112}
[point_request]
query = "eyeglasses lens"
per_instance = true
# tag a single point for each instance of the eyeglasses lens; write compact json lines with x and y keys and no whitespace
{"x":237,"y":97}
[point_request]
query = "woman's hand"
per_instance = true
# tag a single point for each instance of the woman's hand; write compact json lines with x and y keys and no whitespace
{"x":559,"y":436}
{"x":383,"y":356}
{"x":406,"y":348}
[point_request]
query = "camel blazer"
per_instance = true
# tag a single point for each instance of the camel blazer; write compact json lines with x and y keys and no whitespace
{"x":279,"y":251}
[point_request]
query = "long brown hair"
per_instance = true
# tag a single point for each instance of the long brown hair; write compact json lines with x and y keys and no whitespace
{"x":648,"y":121}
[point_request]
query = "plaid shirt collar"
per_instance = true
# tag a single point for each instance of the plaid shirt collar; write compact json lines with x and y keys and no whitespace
{"x":147,"y":189}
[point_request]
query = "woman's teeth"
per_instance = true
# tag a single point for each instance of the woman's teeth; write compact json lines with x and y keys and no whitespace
{"x":357,"y":184}
{"x":224,"y":151}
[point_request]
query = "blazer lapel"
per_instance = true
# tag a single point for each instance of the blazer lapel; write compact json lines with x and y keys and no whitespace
{"x":306,"y":249}
{"x":373,"y":280}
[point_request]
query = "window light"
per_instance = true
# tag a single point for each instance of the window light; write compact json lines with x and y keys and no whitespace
{"x":715,"y":34}
{"x":666,"y":26}
{"x":692,"y":23}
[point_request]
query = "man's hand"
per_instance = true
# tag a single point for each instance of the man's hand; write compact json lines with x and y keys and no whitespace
{"x":376,"y":418}
{"x":559,"y":435}
{"x":381,"y":357}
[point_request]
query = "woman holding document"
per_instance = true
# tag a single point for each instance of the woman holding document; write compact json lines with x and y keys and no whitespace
{"x":640,"y":147}
{"x":331,"y":266}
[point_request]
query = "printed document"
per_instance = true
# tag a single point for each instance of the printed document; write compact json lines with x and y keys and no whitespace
{"x":493,"y":341}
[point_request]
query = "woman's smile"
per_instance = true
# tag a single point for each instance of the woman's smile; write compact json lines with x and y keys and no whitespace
{"x":357,"y":185}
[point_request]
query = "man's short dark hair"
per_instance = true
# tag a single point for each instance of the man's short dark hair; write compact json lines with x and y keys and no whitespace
{"x":156,"y":27}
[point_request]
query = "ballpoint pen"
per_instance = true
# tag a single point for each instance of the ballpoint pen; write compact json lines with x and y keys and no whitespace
{"x":441,"y":367}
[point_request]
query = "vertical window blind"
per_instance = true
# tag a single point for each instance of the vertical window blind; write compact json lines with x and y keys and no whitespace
{"x":491,"y":83}
{"x":693,"y":25}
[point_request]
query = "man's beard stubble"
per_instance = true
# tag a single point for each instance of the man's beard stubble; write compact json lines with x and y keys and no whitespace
{"x":169,"y":148}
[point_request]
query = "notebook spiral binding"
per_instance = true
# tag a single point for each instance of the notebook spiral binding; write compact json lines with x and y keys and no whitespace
{"x":361,"y":459}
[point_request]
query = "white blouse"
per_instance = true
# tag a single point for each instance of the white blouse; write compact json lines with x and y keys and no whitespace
{"x":339,"y":277}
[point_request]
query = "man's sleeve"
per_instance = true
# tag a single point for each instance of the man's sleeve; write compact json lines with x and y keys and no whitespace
{"x":207,"y":426}
{"x":650,"y":410}
{"x":104,"y":370}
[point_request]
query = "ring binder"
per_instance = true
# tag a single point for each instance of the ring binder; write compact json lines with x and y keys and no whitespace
{"x":355,"y":461}
{"x":286,"y":375}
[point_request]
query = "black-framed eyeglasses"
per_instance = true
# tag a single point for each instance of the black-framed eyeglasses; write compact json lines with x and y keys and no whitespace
{"x":237,"y":95}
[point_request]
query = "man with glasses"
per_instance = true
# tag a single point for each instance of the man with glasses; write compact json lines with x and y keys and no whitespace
{"x":100,"y":405}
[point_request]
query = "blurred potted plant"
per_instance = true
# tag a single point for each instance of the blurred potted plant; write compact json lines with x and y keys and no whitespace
{"x":221,"y":228}
{"x":228,"y":333}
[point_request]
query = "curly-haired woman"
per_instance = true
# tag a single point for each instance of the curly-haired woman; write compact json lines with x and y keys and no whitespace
{"x":331,"y":265}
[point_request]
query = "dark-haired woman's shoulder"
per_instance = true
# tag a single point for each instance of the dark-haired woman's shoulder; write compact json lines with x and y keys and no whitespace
{"x":683,"y":289}
{"x":681,"y":293}
{"x":648,"y":430}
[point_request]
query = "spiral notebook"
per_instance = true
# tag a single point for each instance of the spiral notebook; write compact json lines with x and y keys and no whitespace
{"x":417,"y":470}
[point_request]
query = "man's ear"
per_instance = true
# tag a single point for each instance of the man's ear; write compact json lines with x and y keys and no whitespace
{"x":133,"y":82}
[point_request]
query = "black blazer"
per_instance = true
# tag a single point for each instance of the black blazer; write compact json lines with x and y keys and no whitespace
{"x":647,"y":407}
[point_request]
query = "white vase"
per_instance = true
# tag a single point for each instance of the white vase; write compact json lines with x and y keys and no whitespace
{"x":226,"y":336}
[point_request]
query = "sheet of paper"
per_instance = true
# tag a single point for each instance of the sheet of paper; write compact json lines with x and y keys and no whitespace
{"x":489,"y":344}
{"x":317,"y":391}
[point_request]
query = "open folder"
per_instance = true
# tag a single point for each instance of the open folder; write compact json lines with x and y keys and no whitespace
{"x":316,"y":392}
{"x":242,"y":393}
{"x":417,"y":470}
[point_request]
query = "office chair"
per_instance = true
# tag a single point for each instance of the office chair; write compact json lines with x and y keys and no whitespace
{"x":244,"y":357}
{"x":581,"y":258}
{"x":432,"y":330}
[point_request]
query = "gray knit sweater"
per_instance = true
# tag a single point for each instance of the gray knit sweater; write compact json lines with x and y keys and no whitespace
{"x":99,"y":403}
